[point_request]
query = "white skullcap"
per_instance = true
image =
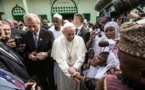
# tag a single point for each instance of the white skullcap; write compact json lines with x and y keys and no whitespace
{"x":68,"y":24}
{"x":65,"y":21}
{"x":85,"y":21}
{"x":57,"y":16}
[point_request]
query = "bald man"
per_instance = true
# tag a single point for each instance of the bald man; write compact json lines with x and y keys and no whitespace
{"x":39,"y":43}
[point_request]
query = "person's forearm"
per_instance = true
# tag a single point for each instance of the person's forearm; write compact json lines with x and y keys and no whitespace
{"x":132,"y":16}
{"x":89,"y":44}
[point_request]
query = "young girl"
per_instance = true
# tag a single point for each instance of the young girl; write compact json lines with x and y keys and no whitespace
{"x":86,"y":65}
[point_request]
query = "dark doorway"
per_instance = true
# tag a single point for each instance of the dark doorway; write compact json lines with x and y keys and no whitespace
{"x":1,"y":13}
{"x":68,"y":16}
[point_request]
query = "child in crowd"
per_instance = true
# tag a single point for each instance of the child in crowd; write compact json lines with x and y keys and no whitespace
{"x":90,"y":56}
{"x":101,"y":64}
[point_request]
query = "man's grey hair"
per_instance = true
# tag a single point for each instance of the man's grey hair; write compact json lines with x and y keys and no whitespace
{"x":5,"y":23}
{"x":30,"y":17}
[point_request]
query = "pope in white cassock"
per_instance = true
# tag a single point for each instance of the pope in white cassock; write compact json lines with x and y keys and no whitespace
{"x":69,"y":52}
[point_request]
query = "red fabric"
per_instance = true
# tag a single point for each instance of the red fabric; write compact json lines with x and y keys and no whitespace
{"x":114,"y":84}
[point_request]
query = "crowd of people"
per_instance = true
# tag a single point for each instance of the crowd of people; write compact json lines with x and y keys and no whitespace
{"x":65,"y":55}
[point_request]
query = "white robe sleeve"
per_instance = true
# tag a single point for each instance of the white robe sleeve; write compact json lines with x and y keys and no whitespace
{"x":81,"y":58}
{"x":61,"y":62}
{"x":63,"y":66}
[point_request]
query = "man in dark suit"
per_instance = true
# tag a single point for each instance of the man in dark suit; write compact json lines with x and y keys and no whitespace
{"x":38,"y":45}
{"x":11,"y":61}
{"x":81,"y":30}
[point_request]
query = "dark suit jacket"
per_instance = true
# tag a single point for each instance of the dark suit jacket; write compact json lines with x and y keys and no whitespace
{"x":13,"y":66}
{"x":16,"y":31}
{"x":45,"y":42}
{"x":85,"y":34}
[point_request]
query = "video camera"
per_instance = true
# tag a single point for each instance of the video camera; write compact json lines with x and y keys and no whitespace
{"x":17,"y":39}
{"x":120,"y":7}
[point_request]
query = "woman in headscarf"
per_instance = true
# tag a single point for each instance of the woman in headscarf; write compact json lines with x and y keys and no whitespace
{"x":111,"y":30}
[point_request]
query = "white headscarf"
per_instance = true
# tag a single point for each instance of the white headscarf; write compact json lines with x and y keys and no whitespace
{"x":90,"y":49}
{"x":112,"y":61}
{"x":112,"y":24}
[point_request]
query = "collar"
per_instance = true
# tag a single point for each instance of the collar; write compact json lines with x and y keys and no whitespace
{"x":80,"y":27}
{"x":37,"y":33}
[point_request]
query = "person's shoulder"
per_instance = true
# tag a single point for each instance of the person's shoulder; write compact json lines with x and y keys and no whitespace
{"x":51,"y":28}
{"x":17,"y":31}
{"x":59,"y":38}
{"x":79,"y":38}
{"x":46,"y":31}
{"x":111,"y":78}
{"x":114,"y":83}
{"x":85,"y":29}
{"x":27,"y":32}
{"x":106,"y":82}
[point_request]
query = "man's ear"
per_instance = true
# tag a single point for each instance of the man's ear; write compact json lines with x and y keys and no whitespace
{"x":143,"y":75}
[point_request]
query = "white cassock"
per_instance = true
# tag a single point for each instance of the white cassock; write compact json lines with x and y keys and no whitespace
{"x":62,"y":50}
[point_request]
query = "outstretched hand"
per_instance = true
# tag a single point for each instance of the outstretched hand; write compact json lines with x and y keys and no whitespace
{"x":77,"y":77}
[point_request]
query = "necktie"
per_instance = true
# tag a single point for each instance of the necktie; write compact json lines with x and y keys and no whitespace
{"x":77,"y":31}
{"x":35,"y":39}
